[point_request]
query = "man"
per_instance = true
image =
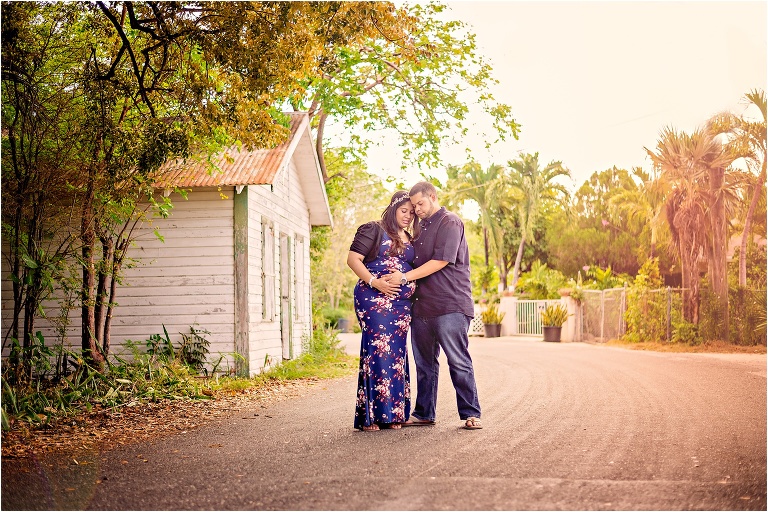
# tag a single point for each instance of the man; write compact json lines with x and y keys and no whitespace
{"x":442,"y":308}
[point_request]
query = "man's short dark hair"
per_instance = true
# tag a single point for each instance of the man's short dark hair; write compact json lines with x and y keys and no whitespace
{"x":424,"y":188}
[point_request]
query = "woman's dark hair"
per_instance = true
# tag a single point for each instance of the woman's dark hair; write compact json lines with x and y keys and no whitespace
{"x":389,"y":221}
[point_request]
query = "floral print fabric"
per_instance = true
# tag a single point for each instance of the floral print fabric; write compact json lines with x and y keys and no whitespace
{"x":383,"y":384}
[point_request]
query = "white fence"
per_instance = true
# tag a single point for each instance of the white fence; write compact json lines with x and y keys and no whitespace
{"x":521,"y":317}
{"x":526,"y":316}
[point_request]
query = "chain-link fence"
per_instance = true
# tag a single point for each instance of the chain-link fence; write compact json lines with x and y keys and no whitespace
{"x":746,"y":316}
{"x":656,"y":315}
{"x":602,"y":314}
{"x":652,"y":314}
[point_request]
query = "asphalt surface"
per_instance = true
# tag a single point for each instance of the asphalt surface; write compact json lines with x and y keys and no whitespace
{"x":568,"y":426}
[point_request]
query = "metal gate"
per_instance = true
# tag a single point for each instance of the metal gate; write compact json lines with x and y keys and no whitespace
{"x":602,"y":314}
{"x":526,"y":315}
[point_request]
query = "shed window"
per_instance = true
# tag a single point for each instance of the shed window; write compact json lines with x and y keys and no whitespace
{"x":268,"y":270}
{"x":299,"y":280}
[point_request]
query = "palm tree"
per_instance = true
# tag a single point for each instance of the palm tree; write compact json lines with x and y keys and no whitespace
{"x":696,"y":165}
{"x":748,"y":141}
{"x":484,"y":186}
{"x":644,"y":206}
{"x":533,"y":185}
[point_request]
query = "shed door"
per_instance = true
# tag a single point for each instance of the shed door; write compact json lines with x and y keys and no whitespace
{"x":286,"y":292}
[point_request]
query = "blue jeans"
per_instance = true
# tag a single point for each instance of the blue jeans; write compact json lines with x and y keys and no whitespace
{"x":427,"y":336}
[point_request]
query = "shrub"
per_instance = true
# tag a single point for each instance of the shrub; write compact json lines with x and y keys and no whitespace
{"x":554,"y":315}
{"x":686,"y":332}
{"x":491,"y":315}
{"x":646,"y":313}
{"x":332,"y":316}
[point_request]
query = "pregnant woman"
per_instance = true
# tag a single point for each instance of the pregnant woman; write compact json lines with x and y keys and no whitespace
{"x":384,"y":312}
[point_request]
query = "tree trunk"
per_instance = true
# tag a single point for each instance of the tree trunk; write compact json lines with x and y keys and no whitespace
{"x":689,"y":273}
{"x":34,"y":284}
{"x":718,"y":261}
{"x":503,"y":273}
{"x":107,"y":255}
{"x":107,"y":331}
{"x":747,"y":233}
{"x":88,"y":313}
{"x":518,"y":261}
{"x":319,"y":144}
{"x":18,"y":287}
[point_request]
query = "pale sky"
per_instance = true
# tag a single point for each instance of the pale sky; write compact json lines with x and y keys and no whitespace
{"x":592,"y":83}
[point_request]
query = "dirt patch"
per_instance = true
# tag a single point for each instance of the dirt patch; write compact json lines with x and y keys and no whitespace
{"x":107,"y":428}
{"x":719,"y":347}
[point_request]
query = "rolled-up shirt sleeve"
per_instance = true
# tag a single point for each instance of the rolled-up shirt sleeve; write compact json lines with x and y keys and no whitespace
{"x":448,"y":240}
{"x":364,"y":239}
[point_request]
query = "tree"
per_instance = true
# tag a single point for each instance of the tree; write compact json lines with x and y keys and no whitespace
{"x":533,"y":185}
{"x":748,"y":141}
{"x":409,"y":76}
{"x":152,"y":80}
{"x":591,"y":202}
{"x":355,"y":200}
{"x":38,"y":161}
{"x":643,"y":207}
{"x":485,"y":187}
{"x":696,"y":209}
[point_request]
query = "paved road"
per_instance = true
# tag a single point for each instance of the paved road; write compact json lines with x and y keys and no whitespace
{"x":567,"y":426}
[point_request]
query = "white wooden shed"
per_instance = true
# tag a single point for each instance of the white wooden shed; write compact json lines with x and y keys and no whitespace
{"x":233,"y":259}
{"x":235,"y":256}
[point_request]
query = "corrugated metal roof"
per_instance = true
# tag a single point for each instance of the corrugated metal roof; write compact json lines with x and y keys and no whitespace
{"x":243,"y":167}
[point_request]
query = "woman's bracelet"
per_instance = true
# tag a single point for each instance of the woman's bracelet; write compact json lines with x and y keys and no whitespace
{"x":370,"y":281}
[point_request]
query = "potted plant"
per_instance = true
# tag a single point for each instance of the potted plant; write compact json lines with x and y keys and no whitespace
{"x":552,"y":319}
{"x":492,"y":317}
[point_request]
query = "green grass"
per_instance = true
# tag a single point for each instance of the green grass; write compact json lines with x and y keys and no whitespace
{"x":151,"y":379}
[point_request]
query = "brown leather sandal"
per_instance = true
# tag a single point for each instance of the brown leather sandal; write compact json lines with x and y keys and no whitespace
{"x":473,"y":423}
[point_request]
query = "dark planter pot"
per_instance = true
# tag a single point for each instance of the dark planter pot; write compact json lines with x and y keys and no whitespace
{"x":551,"y":333}
{"x":492,"y":330}
{"x":342,"y":324}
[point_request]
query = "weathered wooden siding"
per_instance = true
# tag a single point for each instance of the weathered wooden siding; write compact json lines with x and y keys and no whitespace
{"x":186,"y":279}
{"x":281,"y":206}
{"x":183,"y":280}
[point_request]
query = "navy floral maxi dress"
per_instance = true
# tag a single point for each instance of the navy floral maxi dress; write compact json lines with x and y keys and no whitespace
{"x":383,"y":384}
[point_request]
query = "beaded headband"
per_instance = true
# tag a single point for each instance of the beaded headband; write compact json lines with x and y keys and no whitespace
{"x":399,"y":200}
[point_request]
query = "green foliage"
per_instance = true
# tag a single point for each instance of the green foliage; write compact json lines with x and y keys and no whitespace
{"x":646,"y":315}
{"x":554,"y":315}
{"x":686,"y":332}
{"x":604,"y":278}
{"x":147,"y":379}
{"x":322,"y":358}
{"x":747,"y":312}
{"x":649,"y":275}
{"x":757,"y":267}
{"x":194,"y":348}
{"x":152,"y":378}
{"x":485,"y":187}
{"x":404,"y":77}
{"x":486,"y":278}
{"x":161,"y":346}
{"x":571,"y":246}
{"x":533,"y":187}
{"x":541,"y":282}
{"x":491,"y":315}
{"x":355,"y":197}
{"x":331,"y":316}
{"x":192,"y":352}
